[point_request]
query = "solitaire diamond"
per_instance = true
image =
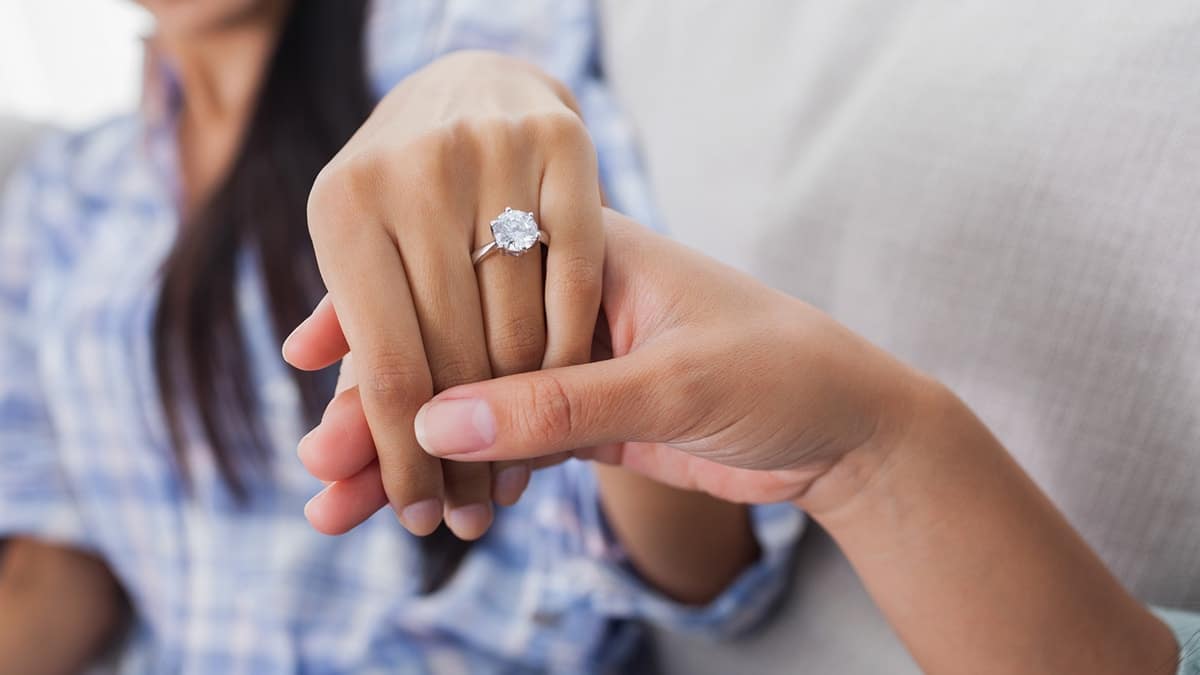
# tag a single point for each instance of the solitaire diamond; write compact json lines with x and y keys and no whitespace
{"x":515,"y":231}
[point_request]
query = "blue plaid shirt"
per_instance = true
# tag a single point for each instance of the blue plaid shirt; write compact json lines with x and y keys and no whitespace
{"x":84,"y":458}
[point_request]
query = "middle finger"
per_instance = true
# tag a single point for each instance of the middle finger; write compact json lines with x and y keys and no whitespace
{"x":447,"y":306}
{"x":510,"y":288}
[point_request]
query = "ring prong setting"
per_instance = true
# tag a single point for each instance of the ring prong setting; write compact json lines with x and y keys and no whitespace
{"x":515,"y":231}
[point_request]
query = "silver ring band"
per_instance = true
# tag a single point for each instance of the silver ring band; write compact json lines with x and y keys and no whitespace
{"x":491,"y":247}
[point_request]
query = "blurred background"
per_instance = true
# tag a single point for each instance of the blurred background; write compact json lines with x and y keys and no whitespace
{"x":69,"y":62}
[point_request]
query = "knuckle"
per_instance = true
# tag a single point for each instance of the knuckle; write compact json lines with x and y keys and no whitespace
{"x":428,"y":157}
{"x":487,"y":127}
{"x":464,"y":480}
{"x":395,"y":379}
{"x":496,"y":136}
{"x":547,"y":417}
{"x":579,"y":275}
{"x":519,"y":344}
{"x":342,"y":187}
{"x":563,"y":130}
{"x":407,"y":475}
{"x":451,"y":371}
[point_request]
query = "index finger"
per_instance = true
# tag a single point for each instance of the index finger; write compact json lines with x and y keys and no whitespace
{"x":366,"y":279}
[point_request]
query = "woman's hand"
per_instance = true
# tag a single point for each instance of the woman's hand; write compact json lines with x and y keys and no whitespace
{"x":718,"y":384}
{"x":394,"y":218}
{"x":750,"y":395}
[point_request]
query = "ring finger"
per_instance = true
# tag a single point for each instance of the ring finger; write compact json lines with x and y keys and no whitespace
{"x":510,"y":288}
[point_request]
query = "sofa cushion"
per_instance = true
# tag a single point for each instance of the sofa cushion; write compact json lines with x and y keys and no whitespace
{"x":1004,"y":194}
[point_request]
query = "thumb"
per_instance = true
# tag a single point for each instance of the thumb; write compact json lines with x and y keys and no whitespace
{"x":549,"y":411}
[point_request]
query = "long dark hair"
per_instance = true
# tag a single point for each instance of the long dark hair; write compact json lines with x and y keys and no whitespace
{"x":314,"y":96}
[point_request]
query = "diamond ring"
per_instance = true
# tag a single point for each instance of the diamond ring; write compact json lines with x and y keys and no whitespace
{"x":513,"y":232}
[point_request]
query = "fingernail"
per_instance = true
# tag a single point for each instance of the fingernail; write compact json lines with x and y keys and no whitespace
{"x":455,"y":426}
{"x":509,"y":484}
{"x":313,"y":502}
{"x":470,"y":521}
{"x":304,"y":440}
{"x":422,"y":517}
{"x":283,"y":349}
{"x":287,"y":340}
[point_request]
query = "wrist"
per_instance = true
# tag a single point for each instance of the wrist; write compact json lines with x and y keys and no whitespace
{"x":918,"y":409}
{"x":969,"y":561}
{"x":688,"y":545}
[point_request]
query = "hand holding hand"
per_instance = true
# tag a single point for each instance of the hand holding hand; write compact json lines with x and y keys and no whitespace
{"x":717,"y":383}
{"x":394,"y":218}
{"x":721,"y":384}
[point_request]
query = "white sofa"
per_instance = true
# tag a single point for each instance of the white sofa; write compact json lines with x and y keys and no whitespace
{"x":1001,"y":193}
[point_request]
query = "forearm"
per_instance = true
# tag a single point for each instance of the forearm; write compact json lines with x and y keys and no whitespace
{"x":972,"y":564}
{"x":689,"y":545}
{"x":58,"y":609}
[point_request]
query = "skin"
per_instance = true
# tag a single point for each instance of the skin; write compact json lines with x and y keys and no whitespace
{"x":721,"y":384}
{"x":393,"y":218}
{"x":220,"y":50}
{"x":36,"y":582}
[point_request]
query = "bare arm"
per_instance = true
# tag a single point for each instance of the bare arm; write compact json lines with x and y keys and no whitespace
{"x":689,"y":545}
{"x":972,"y":564}
{"x":58,"y":608}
